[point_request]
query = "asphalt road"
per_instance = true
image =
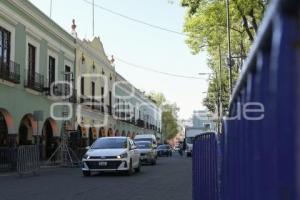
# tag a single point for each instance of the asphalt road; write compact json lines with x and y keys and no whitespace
{"x":170,"y":179}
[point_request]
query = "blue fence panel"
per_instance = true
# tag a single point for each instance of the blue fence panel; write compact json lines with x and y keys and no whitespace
{"x":205,"y":167}
{"x":259,"y":151}
{"x":261,"y":156}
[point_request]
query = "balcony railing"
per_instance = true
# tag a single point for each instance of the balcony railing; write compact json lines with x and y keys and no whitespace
{"x":34,"y":81}
{"x":10,"y":71}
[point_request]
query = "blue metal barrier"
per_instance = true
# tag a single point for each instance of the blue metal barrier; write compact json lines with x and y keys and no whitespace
{"x":205,"y":167}
{"x":260,"y":159}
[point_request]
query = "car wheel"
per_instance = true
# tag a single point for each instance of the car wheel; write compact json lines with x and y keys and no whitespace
{"x":138,"y":169}
{"x":130,"y":171}
{"x":86,"y":173}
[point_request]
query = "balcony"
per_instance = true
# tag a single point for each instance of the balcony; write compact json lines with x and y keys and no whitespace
{"x":94,"y":104}
{"x":34,"y":81}
{"x":61,"y":90}
{"x":10,"y":71}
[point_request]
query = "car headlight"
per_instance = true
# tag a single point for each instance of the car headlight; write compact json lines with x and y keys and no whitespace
{"x":124,"y":155}
{"x":85,"y":156}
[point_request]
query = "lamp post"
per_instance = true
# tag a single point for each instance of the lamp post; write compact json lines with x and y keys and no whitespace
{"x":219,"y":102}
{"x":219,"y":84}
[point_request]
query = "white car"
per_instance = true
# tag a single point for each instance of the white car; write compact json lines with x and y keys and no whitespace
{"x":147,"y":137}
{"x":111,"y":154}
{"x":147,"y":151}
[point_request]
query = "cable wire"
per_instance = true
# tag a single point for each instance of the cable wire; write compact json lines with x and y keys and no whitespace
{"x":134,"y":19}
{"x":157,"y":71}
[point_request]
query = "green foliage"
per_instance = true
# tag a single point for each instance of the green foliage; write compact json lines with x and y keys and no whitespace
{"x":205,"y":27}
{"x":169,"y":115}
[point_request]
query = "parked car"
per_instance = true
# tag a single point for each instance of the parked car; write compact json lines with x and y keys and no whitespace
{"x":147,"y":151}
{"x":164,"y":150}
{"x":111,"y":154}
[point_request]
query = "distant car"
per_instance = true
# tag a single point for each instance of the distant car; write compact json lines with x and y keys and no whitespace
{"x":147,"y":151}
{"x":164,"y":150}
{"x":147,"y":137}
{"x":111,"y":154}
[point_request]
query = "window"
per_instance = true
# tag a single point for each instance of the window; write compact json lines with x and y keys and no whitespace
{"x":110,"y":102}
{"x":102,"y":99}
{"x":82,"y":85}
{"x":31,"y":62}
{"x":93,"y":89}
{"x":51,"y":70}
{"x":67,"y":73}
{"x":4,"y":45}
{"x":207,"y":126}
{"x":102,"y":95}
{"x":93,"y":95}
{"x":68,"y":76}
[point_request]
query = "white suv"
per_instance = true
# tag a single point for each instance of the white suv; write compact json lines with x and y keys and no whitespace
{"x":111,"y":154}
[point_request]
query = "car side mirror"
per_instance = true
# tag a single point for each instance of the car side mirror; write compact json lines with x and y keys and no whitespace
{"x":88,"y":148}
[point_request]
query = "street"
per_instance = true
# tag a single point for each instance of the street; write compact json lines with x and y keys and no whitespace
{"x":170,"y":179}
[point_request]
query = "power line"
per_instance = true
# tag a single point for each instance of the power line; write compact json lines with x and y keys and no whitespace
{"x":134,"y":19}
{"x":157,"y":71}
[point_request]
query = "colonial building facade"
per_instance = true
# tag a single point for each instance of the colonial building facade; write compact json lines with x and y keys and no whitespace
{"x":34,"y":53}
{"x":69,"y":83}
{"x":108,"y":104}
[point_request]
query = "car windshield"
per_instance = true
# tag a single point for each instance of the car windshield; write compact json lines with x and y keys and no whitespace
{"x":143,"y":145}
{"x":110,"y":143}
{"x":163,"y":147}
{"x":143,"y":139}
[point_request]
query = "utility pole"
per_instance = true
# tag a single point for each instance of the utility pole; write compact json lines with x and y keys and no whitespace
{"x":51,"y":4}
{"x":229,"y":62}
{"x":220,"y":112}
{"x":93,"y":18}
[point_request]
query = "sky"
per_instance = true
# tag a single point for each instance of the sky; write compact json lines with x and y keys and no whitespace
{"x":141,"y":45}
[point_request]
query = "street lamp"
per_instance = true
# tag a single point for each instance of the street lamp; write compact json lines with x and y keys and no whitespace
{"x":219,"y":82}
{"x":219,"y":96}
{"x":203,"y":74}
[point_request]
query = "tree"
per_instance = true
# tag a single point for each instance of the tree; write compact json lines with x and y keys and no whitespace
{"x":169,"y":115}
{"x":206,"y":27}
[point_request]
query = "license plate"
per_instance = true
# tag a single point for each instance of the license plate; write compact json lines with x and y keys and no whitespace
{"x":102,"y":163}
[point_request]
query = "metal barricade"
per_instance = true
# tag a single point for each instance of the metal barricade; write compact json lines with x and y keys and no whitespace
{"x":8,"y":158}
{"x":260,"y":151}
{"x":261,"y":155}
{"x":28,"y":159}
{"x":205,"y":167}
